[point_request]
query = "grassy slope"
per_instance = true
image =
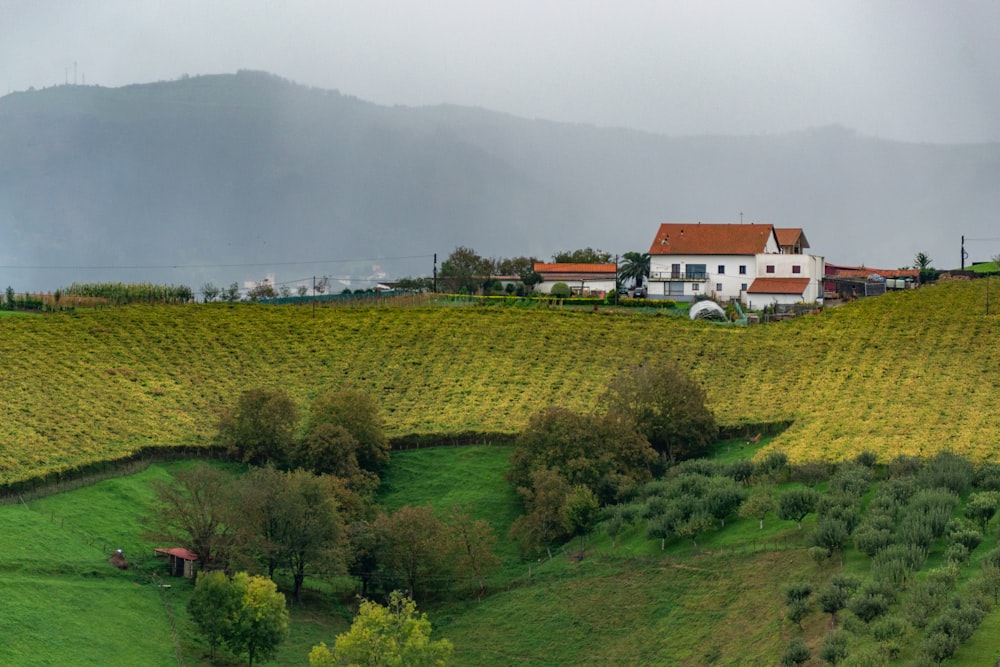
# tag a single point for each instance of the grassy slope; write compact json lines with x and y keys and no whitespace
{"x":64,"y":603}
{"x":629,"y":604}
{"x":911,"y":371}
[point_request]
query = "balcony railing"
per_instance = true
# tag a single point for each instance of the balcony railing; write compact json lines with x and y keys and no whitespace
{"x":691,"y":276}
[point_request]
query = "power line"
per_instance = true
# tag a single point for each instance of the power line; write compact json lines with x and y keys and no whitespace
{"x":207,"y":266}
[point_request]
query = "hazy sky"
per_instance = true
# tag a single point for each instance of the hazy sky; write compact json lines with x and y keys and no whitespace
{"x":915,"y":70}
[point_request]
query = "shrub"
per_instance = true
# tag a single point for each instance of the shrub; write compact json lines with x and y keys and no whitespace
{"x":947,"y":470}
{"x":869,"y":540}
{"x":560,"y":290}
{"x":834,"y":648}
{"x":795,"y":653}
{"x":903,"y":466}
{"x":868,"y":606}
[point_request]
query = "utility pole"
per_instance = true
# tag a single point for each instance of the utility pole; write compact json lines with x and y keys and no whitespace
{"x":964,"y":254}
{"x":617,"y":286}
{"x":435,"y":273}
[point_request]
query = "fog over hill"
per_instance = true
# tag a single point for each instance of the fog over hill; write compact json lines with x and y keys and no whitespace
{"x":231,"y":177}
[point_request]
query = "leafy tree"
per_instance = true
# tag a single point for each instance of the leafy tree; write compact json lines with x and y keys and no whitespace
{"x":465,"y":271}
{"x":262,"y":289}
{"x":531,"y":279}
{"x":560,"y":290}
{"x":922,"y":262}
{"x":613,"y":526}
{"x":393,"y":635}
{"x":473,"y":541}
{"x":329,"y":448}
{"x":870,"y":538}
{"x":261,"y":428}
{"x":634,"y":268}
{"x":581,"y":514}
{"x":423,"y":284}
{"x":516,"y":266}
{"x":194,"y":511}
{"x":835,"y":595}
{"x":582,"y":256}
{"x":758,"y":505}
{"x":10,"y":298}
{"x":771,"y":464}
{"x":798,"y":590}
{"x":982,"y":506}
{"x":260,"y":624}
{"x":212,"y":607}
{"x":603,"y":454}
{"x":869,"y":605}
{"x":989,"y":581}
{"x":835,"y":647}
{"x":723,"y":498}
{"x":260,"y":522}
{"x":666,"y":406}
{"x":832,"y":535}
{"x":948,"y":470}
{"x":541,"y":525}
{"x":693,"y":525}
{"x":209,"y":292}
{"x":362,"y":552}
{"x":412,"y":547}
{"x":314,"y":530}
{"x":795,"y":504}
{"x":232,"y":293}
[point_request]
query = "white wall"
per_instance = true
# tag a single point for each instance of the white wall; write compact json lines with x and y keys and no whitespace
{"x":595,"y":286}
{"x":730,"y":283}
{"x":723,"y":285}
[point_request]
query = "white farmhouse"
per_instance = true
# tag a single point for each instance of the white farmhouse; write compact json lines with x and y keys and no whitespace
{"x":755,"y":264}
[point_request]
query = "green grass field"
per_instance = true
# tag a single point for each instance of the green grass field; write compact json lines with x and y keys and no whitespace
{"x":718,"y":604}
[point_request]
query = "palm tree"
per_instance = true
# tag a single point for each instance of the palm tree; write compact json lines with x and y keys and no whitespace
{"x":634,"y":266}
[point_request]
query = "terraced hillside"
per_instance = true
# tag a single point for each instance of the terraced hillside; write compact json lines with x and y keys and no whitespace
{"x":911,"y":372}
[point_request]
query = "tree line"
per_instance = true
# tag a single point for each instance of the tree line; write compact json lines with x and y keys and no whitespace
{"x":304,"y":507}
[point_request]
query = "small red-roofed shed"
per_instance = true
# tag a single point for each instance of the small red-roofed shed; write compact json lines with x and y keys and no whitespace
{"x":181,"y":560}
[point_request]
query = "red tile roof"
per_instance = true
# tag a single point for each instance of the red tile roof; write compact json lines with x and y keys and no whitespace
{"x":791,"y":236}
{"x":710,"y":239}
{"x":575,"y":268}
{"x":778,"y":286}
{"x":864,"y":272}
{"x":179,"y":552}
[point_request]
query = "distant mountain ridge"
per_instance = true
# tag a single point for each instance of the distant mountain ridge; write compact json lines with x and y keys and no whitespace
{"x":231,"y":177}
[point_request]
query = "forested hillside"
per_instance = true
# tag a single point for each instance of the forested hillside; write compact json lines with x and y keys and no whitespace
{"x":231,"y":177}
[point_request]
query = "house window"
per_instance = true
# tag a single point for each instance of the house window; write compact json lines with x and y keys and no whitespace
{"x":718,"y":287}
{"x":769,"y":268}
{"x":675,"y":289}
{"x":743,"y":287}
{"x":743,"y":269}
{"x":694,"y":287}
{"x":796,"y":269}
{"x":722,"y":269}
{"x":696,"y":271}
